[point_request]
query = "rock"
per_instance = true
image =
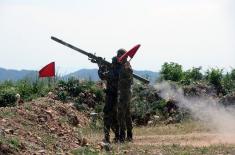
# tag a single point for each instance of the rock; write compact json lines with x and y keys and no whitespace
{"x":42,"y":118}
{"x":2,"y":133}
{"x":22,"y":146}
{"x":62,"y":110}
{"x":125,"y":151}
{"x":39,"y":138}
{"x":51,"y":95}
{"x":150,"y":122}
{"x":107,"y":147}
{"x":84,"y":142}
{"x":4,"y":120}
{"x":156,"y":117}
{"x":49,"y":112}
{"x":9,"y":131}
{"x":17,"y":96}
{"x":73,"y":119}
{"x":100,"y":146}
{"x":42,"y":151}
{"x":81,"y":95}
{"x":61,"y":134}
{"x":93,"y":114}
{"x":52,"y":129}
{"x":228,"y":100}
{"x":5,"y":149}
{"x":30,"y":133}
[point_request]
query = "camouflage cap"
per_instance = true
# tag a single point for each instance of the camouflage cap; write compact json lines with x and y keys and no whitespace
{"x":120,"y":52}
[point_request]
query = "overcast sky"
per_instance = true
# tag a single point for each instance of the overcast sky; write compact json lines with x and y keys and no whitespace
{"x":189,"y":32}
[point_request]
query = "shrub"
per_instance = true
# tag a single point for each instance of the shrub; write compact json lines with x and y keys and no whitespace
{"x":214,"y":77}
{"x":171,"y":71}
{"x":233,"y":74}
{"x":98,"y":92}
{"x":62,"y":96}
{"x":7,"y":97}
{"x":228,"y":83}
{"x":25,"y":89}
{"x":192,"y":75}
{"x":73,"y":87}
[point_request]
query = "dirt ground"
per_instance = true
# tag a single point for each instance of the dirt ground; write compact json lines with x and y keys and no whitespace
{"x":180,"y":139}
{"x":192,"y":139}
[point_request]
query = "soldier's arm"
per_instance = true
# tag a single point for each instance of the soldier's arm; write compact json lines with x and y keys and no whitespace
{"x":103,"y":72}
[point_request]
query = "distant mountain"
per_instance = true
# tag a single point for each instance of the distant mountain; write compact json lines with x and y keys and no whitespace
{"x":91,"y":74}
{"x":85,"y":74}
{"x":14,"y":75}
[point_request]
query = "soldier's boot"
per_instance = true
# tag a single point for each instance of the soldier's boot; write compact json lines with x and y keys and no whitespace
{"x":122,"y":136}
{"x":106,"y":139}
{"x":116,"y":138}
{"x":106,"y":135}
{"x":129,"y":136}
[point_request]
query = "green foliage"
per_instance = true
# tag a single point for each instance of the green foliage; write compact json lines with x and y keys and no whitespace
{"x":85,"y":94}
{"x":233,"y":74}
{"x":98,"y":92}
{"x":14,"y":143}
{"x":73,"y":87}
{"x":228,"y":83}
{"x":171,"y":71}
{"x":192,"y":75}
{"x":145,"y":104}
{"x":62,"y":96}
{"x":24,"y":88}
{"x":214,"y":77}
{"x":7,"y":97}
{"x":6,"y":84}
{"x":85,"y":151}
{"x":29,"y":90}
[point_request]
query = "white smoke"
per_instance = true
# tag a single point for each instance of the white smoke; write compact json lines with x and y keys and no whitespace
{"x":217,"y":118}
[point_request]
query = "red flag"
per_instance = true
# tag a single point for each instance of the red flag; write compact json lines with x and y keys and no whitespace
{"x":48,"y":70}
{"x":130,"y":53}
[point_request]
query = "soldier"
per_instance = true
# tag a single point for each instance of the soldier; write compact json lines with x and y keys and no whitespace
{"x":110,"y":75}
{"x":124,"y":96}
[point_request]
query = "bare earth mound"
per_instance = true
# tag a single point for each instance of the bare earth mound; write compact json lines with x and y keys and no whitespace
{"x":43,"y":126}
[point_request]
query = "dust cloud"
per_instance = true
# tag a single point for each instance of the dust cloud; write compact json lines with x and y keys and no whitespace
{"x":214,"y":115}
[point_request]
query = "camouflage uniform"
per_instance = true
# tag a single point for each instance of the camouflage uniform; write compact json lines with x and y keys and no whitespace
{"x":110,"y":75}
{"x":124,"y":92}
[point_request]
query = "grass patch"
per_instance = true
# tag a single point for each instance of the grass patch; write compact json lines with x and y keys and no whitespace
{"x":14,"y":143}
{"x":171,"y":129}
{"x":94,"y":135}
{"x":7,"y":113}
{"x":48,"y":140}
{"x":28,"y":106}
{"x":63,"y":120}
{"x":85,"y":151}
